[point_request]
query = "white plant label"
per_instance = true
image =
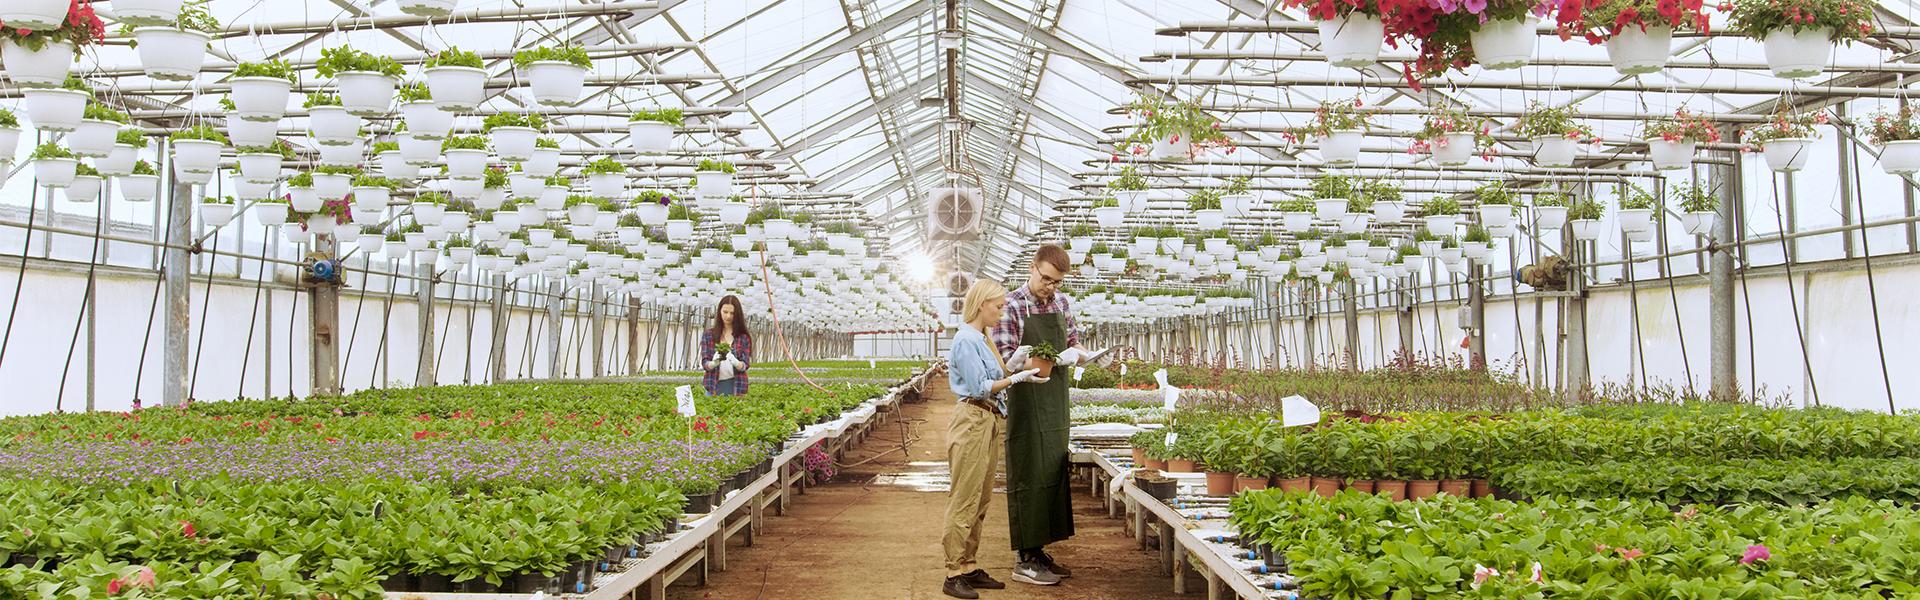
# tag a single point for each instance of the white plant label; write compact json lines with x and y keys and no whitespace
{"x":1172,"y":437}
{"x":871,"y":364}
{"x":1161,"y":376}
{"x":1171,"y":397}
{"x":1123,"y":369}
{"x":683,"y":397}
{"x":1077,"y":372}
{"x":1297,"y":410}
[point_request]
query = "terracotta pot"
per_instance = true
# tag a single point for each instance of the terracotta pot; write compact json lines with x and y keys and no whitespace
{"x":1297,"y":484}
{"x":1156,"y":464}
{"x":1325,"y":487}
{"x":1395,"y":489}
{"x":1139,"y":455}
{"x":1181,"y":465}
{"x":1045,"y":366}
{"x":1456,"y":487}
{"x":1481,"y":488}
{"x":1364,"y":485}
{"x":1243,"y":483}
{"x":1219,"y":484}
{"x":1422,"y":488}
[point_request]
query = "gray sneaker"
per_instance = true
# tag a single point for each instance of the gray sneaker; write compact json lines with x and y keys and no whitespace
{"x":1035,"y":574}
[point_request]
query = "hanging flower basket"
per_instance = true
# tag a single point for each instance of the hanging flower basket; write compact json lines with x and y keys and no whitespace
{"x":734,"y":212}
{"x":270,"y":213}
{"x":425,"y":120}
{"x":555,"y":76}
{"x":46,"y":67}
{"x":213,"y":215}
{"x":1634,"y":220}
{"x":331,"y":186}
{"x":1389,"y":212}
{"x":55,"y":110}
{"x":679,"y":230}
{"x":34,"y":15}
{"x":1455,"y":148}
{"x":1209,"y":219}
{"x":466,"y":164}
{"x":1668,"y":155}
{"x":714,"y":184}
{"x":1171,"y":129}
{"x":9,"y":143}
{"x":427,"y":8}
{"x":366,"y":93}
{"x":1442,"y":225}
{"x":466,"y":189}
{"x":1132,"y":202}
{"x":543,"y":163}
{"x":333,"y":125}
{"x":1504,"y":43}
{"x":1699,"y":223}
{"x":196,"y":156}
{"x":1587,"y":230}
{"x":171,"y":53}
{"x":261,"y":98}
{"x":94,"y":138}
{"x":348,"y":155}
{"x":1549,"y":218}
{"x":117,"y":162}
{"x":1109,"y":216}
{"x":55,"y":172}
{"x":525,"y":186}
{"x":456,"y":88}
{"x":552,"y":198}
{"x":246,"y":133}
{"x":1798,"y":54}
{"x":260,"y":166}
{"x":417,"y":151}
{"x":1341,"y":147}
{"x":1352,"y":40}
{"x":490,"y":198}
{"x":146,"y":12}
{"x":1638,"y":51}
{"x":651,"y":131}
{"x":1900,"y":157}
{"x":607,"y":185}
{"x":1788,"y":154}
{"x":139,"y":188}
{"x":1555,"y":151}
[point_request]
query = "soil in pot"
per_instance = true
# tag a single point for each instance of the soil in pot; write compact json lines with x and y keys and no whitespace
{"x":1181,"y":465}
{"x":1241,"y":484}
{"x":1422,"y":488}
{"x":1297,"y":484}
{"x":1326,"y":487}
{"x":1363,"y":485}
{"x":1481,"y":488}
{"x":1159,"y":486}
{"x":1395,"y":489}
{"x":1219,"y":484}
{"x":1456,"y":487}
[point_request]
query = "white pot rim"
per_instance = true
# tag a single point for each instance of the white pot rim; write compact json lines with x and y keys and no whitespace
{"x":554,"y":63}
{"x":260,"y":79}
{"x":343,"y":74}
{"x":160,"y":28}
{"x":513,"y":128}
{"x":454,"y":68}
{"x":192,"y":142}
{"x":65,"y":91}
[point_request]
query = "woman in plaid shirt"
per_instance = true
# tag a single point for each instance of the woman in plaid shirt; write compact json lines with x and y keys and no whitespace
{"x":726,"y":372}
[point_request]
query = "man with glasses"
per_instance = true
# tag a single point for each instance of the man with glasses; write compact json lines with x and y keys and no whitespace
{"x":1039,"y":507}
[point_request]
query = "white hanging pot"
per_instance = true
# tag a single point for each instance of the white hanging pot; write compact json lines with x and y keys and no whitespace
{"x":244,"y":133}
{"x":260,"y":167}
{"x":556,"y":83}
{"x":1441,"y":225}
{"x":1212,"y":218}
{"x":466,"y":164}
{"x":465,"y":189}
{"x":490,"y":198}
{"x":10,"y":142}
{"x":215,"y":215}
{"x":1389,"y":212}
{"x":369,"y":244}
{"x":261,"y":98}
{"x":714,"y":184}
{"x":679,"y":230}
{"x":146,"y":12}
{"x":270,"y":213}
{"x":1496,"y":215}
{"x":650,"y":136}
{"x":1635,"y":51}
{"x":428,"y":214}
{"x":118,"y":161}
{"x":583,"y":214}
{"x":552,"y":198}
{"x":1237,"y":206}
{"x":366,"y":93}
{"x":525,"y":186}
{"x":527,"y":214}
{"x":84,"y":188}
{"x":1798,"y":54}
{"x":1668,"y":156}
{"x":347,"y":155}
{"x":333,"y":125}
{"x":171,"y":54}
{"x":607,"y":185}
{"x":195,"y":156}
{"x":304,"y":199}
{"x":1504,"y":44}
{"x":778,"y":229}
{"x":322,"y":225}
{"x":419,"y":152}
{"x":543,"y":164}
{"x":1329,"y":208}
{"x":1699,"y":223}
{"x":514,"y":143}
{"x":1342,"y":146}
{"x":1454,"y":149}
{"x":1109,"y":217}
{"x":456,"y":89}
{"x":1548,"y":218}
{"x":54,"y":109}
{"x":1296,"y":222}
{"x":734,"y":213}
{"x":46,"y":67}
{"x":393,"y":165}
{"x":426,"y":120}
{"x":1354,"y":222}
{"x":249,"y":191}
{"x":1633,"y":220}
{"x":93,"y":138}
{"x":34,"y":15}
{"x":1901,"y":157}
{"x":1168,"y":148}
{"x":1788,"y":154}
{"x":1352,"y":40}
{"x":370,"y":201}
{"x":139,"y":188}
{"x":651,"y":213}
{"x":1131,"y":201}
{"x":332,"y":186}
{"x":1555,"y":151}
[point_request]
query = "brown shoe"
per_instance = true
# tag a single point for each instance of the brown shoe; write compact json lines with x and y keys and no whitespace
{"x":959,"y":588}
{"x":980,"y":580}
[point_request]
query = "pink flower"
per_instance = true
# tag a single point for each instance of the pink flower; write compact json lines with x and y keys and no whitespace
{"x":1755,"y":553}
{"x":1631,"y":553}
{"x":1482,"y":573}
{"x":1537,"y":577}
{"x":144,"y":579}
{"x":113,"y":587}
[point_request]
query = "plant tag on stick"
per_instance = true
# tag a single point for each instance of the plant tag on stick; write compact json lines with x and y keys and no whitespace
{"x":1123,"y":369}
{"x":1161,"y":376}
{"x":1171,"y":396}
{"x":1078,"y":371}
{"x":1296,"y":411}
{"x":1172,"y":437}
{"x":683,"y":397}
{"x":871,"y":364}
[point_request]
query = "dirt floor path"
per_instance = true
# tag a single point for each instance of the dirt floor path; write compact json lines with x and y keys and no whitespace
{"x":875,"y":533}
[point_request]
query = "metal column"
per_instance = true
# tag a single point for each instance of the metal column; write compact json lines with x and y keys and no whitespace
{"x":424,"y":373}
{"x":323,"y":326}
{"x":596,"y":309}
{"x":177,"y":264}
{"x":556,"y":300}
{"x":1725,"y":378}
{"x":1351,"y":306}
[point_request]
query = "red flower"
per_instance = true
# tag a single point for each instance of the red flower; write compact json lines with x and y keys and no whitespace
{"x":421,"y":435}
{"x":113,"y":587}
{"x":187,"y":529}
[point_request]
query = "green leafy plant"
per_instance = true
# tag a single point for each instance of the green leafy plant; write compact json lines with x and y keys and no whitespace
{"x":547,"y":144}
{"x":713,"y":166}
{"x":670,"y":116}
{"x":605,"y":165}
{"x":274,"y":68}
{"x":1331,"y":116}
{"x":1632,"y":197}
{"x":1476,"y":233}
{"x":573,"y":55}
{"x":346,"y":59}
{"x":202,"y":132}
{"x":1106,"y":202}
{"x":1785,"y":124}
{"x":1331,"y":187}
{"x":279,"y":147}
{"x":453,"y":57}
{"x":1174,"y":120}
{"x":8,"y":120}
{"x":1204,"y":199}
{"x":379,"y":147}
{"x":316,"y":99}
{"x":1441,"y":205}
{"x":1551,"y":199}
{"x":1901,"y":125}
{"x":131,"y":137}
{"x":682,"y":212}
{"x":1494,"y":193}
{"x":1696,"y":198}
{"x":1586,"y":210}
{"x":101,"y":112}
{"x":1683,"y":126}
{"x":1545,"y":120}
{"x":510,"y":119}
{"x":1450,"y":121}
{"x":302,"y":179}
{"x":1377,"y":190}
{"x":1130,"y":180}
{"x":414,"y":92}
{"x":141,"y":167}
{"x":464,"y":142}
{"x":1043,"y":351}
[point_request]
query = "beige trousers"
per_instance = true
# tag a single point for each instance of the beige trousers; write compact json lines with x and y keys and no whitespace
{"x":973,"y":452}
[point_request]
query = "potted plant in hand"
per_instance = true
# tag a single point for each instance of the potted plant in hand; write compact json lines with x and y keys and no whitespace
{"x":1340,"y":125}
{"x":366,"y":82}
{"x":39,"y":49}
{"x":261,"y":89}
{"x":1636,"y":209}
{"x":651,"y":131}
{"x":714,"y":178}
{"x":1453,"y":137}
{"x":514,"y":134}
{"x":1585,"y":216}
{"x":555,"y":75}
{"x":1555,"y":135}
{"x":722,"y":350}
{"x":455,"y":79}
{"x":1898,"y":136}
{"x":1786,"y":139}
{"x":175,"y":50}
{"x":1042,"y":356}
{"x":1671,"y":140}
{"x":1799,"y":35}
{"x":1699,"y":208}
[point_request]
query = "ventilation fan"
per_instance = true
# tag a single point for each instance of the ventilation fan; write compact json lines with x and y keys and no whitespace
{"x":956,"y":306}
{"x":953,"y":213}
{"x":958,"y":283}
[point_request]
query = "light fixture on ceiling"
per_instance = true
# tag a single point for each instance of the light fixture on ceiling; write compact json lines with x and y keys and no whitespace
{"x":948,"y":39}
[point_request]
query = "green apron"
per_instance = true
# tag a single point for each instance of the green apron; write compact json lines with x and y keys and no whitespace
{"x":1039,"y":507}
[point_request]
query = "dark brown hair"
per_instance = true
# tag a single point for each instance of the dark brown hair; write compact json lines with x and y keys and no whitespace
{"x":1053,"y":255}
{"x":739,"y":319}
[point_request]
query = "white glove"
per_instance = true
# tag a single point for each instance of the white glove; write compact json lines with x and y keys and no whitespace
{"x":1019,"y":358}
{"x":737,"y":365}
{"x":1069,"y":357}
{"x":1040,"y":380}
{"x":1023,"y":376}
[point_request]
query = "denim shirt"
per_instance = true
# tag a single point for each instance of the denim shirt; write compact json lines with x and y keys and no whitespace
{"x":972,"y":368}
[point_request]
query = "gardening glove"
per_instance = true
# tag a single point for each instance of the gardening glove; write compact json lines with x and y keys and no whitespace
{"x":737,"y":365}
{"x":1024,"y":376}
{"x":1069,"y":358}
{"x":1019,"y":358}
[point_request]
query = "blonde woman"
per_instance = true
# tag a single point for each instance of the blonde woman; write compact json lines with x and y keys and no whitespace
{"x":979,"y":379}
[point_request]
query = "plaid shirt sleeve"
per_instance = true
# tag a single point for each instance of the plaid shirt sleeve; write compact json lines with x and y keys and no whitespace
{"x":710,"y":377}
{"x":1006,"y":335}
{"x":743,"y":348}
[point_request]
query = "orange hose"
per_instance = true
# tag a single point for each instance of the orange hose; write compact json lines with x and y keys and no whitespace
{"x":766,"y":282}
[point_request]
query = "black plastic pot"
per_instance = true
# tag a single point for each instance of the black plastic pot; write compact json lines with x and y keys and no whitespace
{"x":1159,"y":490}
{"x":433,"y":583}
{"x":611,"y":558}
{"x":1271,"y":556}
{"x":579,"y":579}
{"x":400,"y":582}
{"x":528,"y":583}
{"x":699,"y":504}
